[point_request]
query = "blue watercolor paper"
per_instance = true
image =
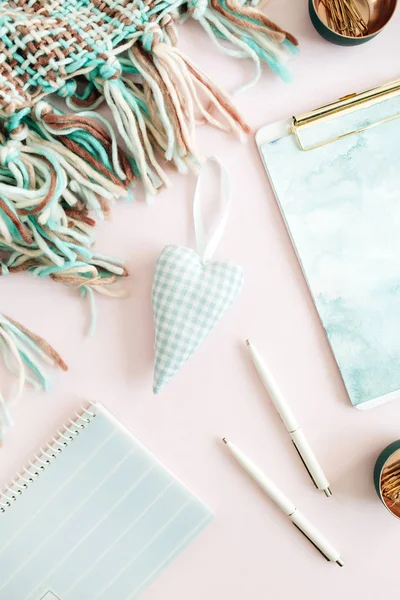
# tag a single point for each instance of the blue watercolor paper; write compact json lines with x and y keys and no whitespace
{"x":341,"y":204}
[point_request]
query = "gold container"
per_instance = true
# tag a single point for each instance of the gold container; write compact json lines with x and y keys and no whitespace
{"x":387,"y":478}
{"x":375,"y":13}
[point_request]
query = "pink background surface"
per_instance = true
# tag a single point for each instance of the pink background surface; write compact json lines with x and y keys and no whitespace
{"x":250,"y":550}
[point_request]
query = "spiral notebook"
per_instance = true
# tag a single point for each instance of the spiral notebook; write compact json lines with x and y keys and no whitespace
{"x":95,"y":517}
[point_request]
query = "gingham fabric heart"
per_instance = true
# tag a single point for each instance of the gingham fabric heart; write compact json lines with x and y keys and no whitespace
{"x":190,"y":295}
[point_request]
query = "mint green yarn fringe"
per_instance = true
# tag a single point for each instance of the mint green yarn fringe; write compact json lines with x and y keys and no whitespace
{"x":25,"y":355}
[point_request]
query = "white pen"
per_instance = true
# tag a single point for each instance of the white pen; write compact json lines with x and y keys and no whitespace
{"x":286,"y":506}
{"x":298,"y":438}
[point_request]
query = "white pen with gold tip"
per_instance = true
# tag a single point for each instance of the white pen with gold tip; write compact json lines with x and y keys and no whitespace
{"x":298,"y":438}
{"x":286,"y":506}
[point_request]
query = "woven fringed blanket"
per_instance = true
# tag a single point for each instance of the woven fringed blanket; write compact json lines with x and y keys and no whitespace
{"x":59,"y":168}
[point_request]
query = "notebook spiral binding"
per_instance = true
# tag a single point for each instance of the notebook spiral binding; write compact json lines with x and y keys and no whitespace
{"x":44,"y":458}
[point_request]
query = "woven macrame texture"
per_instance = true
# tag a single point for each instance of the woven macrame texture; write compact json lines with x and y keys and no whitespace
{"x":45,"y":44}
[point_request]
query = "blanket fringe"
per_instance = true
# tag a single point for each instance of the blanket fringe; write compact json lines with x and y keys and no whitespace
{"x":179,"y":96}
{"x":249,"y":32}
{"x":46,"y":192}
{"x":25,"y":355}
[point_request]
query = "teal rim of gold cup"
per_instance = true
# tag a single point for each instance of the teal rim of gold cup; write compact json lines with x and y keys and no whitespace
{"x":383,"y":466}
{"x":380,"y":13}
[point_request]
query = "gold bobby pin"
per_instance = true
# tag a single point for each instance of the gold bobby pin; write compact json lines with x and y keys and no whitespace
{"x":344,"y":17}
{"x":390,"y":482}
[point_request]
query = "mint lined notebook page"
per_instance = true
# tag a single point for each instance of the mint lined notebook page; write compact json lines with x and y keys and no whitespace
{"x":96,"y":517}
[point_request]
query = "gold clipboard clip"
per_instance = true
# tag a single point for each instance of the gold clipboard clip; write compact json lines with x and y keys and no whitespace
{"x":342,"y":106}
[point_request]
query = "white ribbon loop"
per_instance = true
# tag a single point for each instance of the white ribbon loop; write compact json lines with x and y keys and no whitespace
{"x":206,"y":248}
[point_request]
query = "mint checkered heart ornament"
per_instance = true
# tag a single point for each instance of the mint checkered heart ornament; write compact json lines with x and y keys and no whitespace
{"x":191,"y":293}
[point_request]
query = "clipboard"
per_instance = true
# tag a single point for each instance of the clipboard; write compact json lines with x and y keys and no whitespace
{"x":336,"y":178}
